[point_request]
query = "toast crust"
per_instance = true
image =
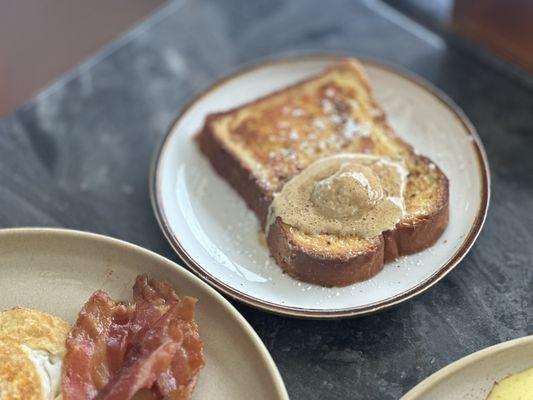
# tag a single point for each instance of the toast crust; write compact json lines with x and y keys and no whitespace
{"x":319,"y":264}
{"x":323,"y":269}
{"x":241,"y":178}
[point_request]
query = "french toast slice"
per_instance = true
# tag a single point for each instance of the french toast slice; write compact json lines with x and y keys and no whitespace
{"x":259,"y":146}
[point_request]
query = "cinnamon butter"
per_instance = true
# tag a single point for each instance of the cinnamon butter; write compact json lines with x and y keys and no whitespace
{"x":345,"y":194}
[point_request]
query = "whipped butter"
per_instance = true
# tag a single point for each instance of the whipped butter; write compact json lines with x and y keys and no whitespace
{"x":345,"y":194}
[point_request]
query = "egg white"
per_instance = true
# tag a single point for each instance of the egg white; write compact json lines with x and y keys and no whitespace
{"x":48,"y":367}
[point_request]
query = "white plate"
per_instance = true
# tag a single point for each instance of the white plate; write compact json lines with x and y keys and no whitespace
{"x":472,"y":377}
{"x":56,"y":271}
{"x":210,"y":227}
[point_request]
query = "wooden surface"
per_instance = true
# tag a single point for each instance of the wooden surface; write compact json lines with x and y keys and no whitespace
{"x":40,"y":40}
{"x":78,"y":156}
{"x":504,"y":27}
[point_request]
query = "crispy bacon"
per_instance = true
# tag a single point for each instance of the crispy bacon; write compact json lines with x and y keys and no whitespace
{"x":115,"y":349}
{"x":178,"y":381}
{"x":86,"y":362}
{"x":149,"y":355}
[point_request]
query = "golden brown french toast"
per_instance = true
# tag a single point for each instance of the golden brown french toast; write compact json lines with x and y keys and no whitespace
{"x":260,"y":146}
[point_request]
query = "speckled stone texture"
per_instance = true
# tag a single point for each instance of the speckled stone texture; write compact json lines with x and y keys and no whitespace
{"x":78,"y":156}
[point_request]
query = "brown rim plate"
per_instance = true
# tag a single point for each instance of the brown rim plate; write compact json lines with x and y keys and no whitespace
{"x":211,"y":230}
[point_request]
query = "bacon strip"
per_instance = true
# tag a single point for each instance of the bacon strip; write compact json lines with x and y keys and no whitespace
{"x":114,"y":349}
{"x":86,"y":368}
{"x":146,"y":359}
{"x":178,"y":381}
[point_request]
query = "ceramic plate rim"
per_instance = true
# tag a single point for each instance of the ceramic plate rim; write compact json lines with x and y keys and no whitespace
{"x":461,"y":363}
{"x":262,"y":351}
{"x":155,"y":188}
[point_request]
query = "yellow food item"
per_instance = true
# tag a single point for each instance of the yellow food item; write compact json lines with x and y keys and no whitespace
{"x":515,"y":387}
{"x":32,"y":346}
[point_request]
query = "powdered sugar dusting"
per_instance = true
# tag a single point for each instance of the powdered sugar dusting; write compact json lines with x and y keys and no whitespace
{"x":293,"y":135}
{"x":327,"y":106}
{"x":297,"y":112}
{"x":352,"y":128}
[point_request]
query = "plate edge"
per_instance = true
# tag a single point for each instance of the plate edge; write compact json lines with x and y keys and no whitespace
{"x":457,"y":365}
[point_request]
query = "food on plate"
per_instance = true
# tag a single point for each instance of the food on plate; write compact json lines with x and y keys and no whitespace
{"x":517,"y":386}
{"x":32,"y":346}
{"x":336,"y":190}
{"x":114,"y":351}
{"x":346,"y":194}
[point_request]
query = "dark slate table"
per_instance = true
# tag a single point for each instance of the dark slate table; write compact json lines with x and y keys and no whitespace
{"x":78,"y":156}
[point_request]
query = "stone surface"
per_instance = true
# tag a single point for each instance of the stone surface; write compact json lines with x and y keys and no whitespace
{"x":78,"y":156}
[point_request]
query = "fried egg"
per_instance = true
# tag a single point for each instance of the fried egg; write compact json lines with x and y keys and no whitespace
{"x":32,"y":347}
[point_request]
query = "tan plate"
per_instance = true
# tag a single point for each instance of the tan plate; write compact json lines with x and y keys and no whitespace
{"x":211,"y":229}
{"x":472,"y":377}
{"x":55,"y":271}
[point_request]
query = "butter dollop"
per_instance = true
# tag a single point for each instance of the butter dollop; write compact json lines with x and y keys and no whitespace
{"x":344,"y":194}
